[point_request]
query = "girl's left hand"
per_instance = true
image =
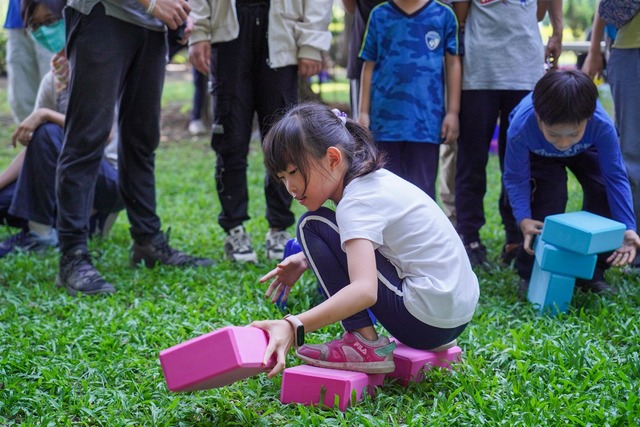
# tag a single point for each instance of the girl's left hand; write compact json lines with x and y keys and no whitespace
{"x":627,"y":252}
{"x":284,"y":276}
{"x":280,"y":341}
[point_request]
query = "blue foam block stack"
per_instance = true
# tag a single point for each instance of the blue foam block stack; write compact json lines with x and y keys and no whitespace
{"x":566,"y":250}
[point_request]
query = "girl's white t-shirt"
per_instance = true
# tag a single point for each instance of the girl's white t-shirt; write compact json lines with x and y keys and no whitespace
{"x":412,"y":232}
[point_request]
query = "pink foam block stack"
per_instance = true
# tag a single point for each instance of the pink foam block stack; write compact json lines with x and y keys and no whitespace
{"x":215,"y":359}
{"x":410,"y":363}
{"x":311,"y":385}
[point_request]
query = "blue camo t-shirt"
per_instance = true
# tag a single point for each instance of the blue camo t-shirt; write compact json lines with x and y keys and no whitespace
{"x":407,"y":87}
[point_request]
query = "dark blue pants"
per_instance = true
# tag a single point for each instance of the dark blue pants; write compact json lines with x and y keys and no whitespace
{"x":417,"y":162}
{"x":549,"y":196}
{"x":33,"y":195}
{"x":6,"y":196}
{"x":479,"y":112}
{"x":242,"y":83}
{"x":319,"y":237}
{"x":111,"y":61}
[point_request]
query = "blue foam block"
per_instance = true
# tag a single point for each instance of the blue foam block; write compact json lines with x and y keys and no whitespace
{"x":551,"y":293}
{"x":583,"y":232}
{"x":559,"y":261}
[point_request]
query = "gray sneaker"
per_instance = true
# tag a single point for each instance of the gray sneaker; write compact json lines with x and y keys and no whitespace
{"x":275,"y":243}
{"x":77,"y":274}
{"x":158,"y":252}
{"x":237,"y":246}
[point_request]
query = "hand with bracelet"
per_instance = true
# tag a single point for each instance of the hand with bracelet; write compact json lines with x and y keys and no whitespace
{"x":172,"y":12}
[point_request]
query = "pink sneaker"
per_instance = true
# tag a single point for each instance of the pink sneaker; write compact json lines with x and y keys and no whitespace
{"x":352,"y":353}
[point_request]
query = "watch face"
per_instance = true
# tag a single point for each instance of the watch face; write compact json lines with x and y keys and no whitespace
{"x":300,"y":335}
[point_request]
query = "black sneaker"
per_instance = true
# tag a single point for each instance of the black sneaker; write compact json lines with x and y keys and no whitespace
{"x":523,"y":289}
{"x":78,"y":274}
{"x":599,"y":287}
{"x":100,"y":224}
{"x":509,"y":253}
{"x":157,"y":251}
{"x":477,"y":254}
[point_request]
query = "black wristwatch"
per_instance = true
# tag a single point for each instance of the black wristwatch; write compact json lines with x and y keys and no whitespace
{"x":298,"y":329}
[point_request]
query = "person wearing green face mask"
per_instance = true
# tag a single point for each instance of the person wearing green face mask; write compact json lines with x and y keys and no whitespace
{"x":51,"y":37}
{"x":27,"y":186}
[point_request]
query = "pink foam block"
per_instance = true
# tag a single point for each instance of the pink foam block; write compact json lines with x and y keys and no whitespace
{"x":311,"y":385}
{"x":215,"y":359}
{"x":410,"y":363}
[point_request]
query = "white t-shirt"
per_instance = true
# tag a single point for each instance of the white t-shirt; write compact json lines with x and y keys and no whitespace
{"x":412,"y":232}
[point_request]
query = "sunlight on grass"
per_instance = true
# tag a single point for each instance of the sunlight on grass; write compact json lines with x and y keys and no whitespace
{"x":94,"y":361}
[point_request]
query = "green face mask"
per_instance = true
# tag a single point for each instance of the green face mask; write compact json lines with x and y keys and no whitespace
{"x":51,"y":37}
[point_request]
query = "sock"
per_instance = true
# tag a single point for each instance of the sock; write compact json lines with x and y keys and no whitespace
{"x":40,"y":230}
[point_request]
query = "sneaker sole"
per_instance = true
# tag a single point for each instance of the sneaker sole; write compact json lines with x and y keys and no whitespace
{"x":74,"y":292}
{"x":275,"y":255}
{"x":364,"y":367}
{"x":250,"y":258}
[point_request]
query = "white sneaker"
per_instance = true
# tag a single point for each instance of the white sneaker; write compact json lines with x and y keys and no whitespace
{"x":237,"y":246}
{"x":197,"y":128}
{"x":275,"y":243}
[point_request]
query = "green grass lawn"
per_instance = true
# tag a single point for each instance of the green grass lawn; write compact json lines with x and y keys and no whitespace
{"x":94,"y":361}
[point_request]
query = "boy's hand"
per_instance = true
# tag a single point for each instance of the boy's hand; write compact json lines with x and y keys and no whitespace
{"x":450,"y":128}
{"x":284,"y":276}
{"x":627,"y":252}
{"x":530,"y":228}
{"x":280,"y":341}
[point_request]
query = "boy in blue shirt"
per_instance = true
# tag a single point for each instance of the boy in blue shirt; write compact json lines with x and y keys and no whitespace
{"x":560,"y":126}
{"x":402,"y":95}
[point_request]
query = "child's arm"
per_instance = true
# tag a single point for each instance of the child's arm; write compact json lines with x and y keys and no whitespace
{"x":359,"y":294}
{"x":461,"y":9}
{"x":11,"y":173}
{"x":451,"y":125}
{"x":365,"y":93}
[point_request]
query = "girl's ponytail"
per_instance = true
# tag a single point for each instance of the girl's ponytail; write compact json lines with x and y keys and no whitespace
{"x":364,"y":157}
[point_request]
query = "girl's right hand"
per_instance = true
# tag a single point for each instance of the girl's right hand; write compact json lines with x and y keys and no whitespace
{"x":280,"y":341}
{"x":284,"y":276}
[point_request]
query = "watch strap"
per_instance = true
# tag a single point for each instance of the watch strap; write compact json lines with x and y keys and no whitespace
{"x":298,"y":329}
